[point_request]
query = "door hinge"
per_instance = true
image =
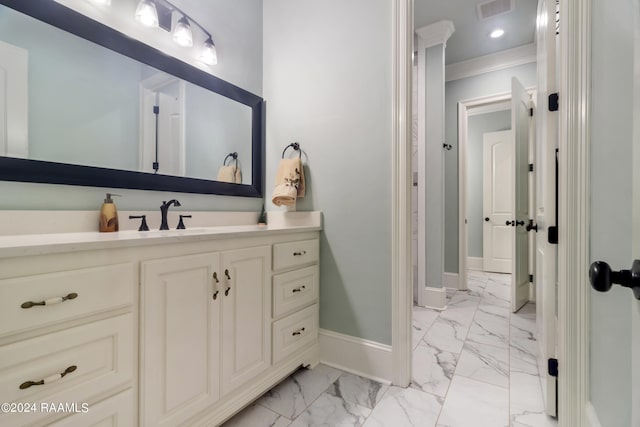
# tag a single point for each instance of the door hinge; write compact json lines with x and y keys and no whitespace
{"x":553,"y":102}
{"x":530,"y":167}
{"x":552,"y":367}
{"x":531,"y":112}
{"x":531,"y":278}
{"x":156,"y":109}
{"x":553,"y":235}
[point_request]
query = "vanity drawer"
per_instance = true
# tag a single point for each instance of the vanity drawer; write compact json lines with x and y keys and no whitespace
{"x":294,"y":290}
{"x":294,"y":332}
{"x":118,"y":410}
{"x":98,"y":289}
{"x":292,"y":254}
{"x":102,"y":353}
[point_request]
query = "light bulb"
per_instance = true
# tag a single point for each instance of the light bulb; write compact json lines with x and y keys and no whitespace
{"x":182,"y":33}
{"x":209,"y":55}
{"x":146,"y":13}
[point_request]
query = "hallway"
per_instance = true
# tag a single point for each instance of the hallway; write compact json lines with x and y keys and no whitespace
{"x":474,"y":365}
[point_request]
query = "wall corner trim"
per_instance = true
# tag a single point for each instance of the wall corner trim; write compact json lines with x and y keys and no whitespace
{"x":355,"y":355}
{"x":436,"y":33}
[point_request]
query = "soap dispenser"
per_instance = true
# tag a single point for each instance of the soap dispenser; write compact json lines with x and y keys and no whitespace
{"x":109,"y":215}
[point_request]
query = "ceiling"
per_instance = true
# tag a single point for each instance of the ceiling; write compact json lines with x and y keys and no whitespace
{"x":471,"y":37}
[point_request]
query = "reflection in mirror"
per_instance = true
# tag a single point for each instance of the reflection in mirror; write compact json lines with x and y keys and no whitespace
{"x":79,"y":109}
{"x":88,"y":105}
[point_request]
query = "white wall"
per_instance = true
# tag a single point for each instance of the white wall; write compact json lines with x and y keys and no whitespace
{"x":327,"y":82}
{"x":237,"y":31}
{"x":611,"y":224}
{"x":460,"y":90}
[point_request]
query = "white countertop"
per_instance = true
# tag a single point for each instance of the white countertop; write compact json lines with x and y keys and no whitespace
{"x":38,"y":244}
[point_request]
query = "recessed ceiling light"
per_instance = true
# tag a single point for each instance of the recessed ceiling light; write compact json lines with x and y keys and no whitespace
{"x":498,"y":32}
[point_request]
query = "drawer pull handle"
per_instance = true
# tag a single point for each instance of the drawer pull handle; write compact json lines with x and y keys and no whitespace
{"x":300,"y":253}
{"x":298,"y":332}
{"x":298,"y":289}
{"x":49,"y":379}
{"x":50,"y":301}
{"x":226,"y":291}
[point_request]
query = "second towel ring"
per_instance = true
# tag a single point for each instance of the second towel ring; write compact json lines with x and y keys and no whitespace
{"x":295,"y":146}
{"x":233,"y":155}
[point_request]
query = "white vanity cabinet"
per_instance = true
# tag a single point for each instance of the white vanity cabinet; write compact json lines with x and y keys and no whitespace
{"x":67,"y":339}
{"x":205,"y":330}
{"x":173,"y":329}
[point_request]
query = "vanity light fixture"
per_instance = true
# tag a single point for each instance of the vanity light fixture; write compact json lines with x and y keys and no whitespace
{"x":209,"y":55}
{"x":146,"y":13}
{"x":498,"y":32}
{"x":182,"y":33}
{"x":159,"y":13}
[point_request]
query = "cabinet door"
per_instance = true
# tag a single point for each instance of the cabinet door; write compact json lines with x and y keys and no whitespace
{"x":246,"y":315}
{"x":180,"y":338}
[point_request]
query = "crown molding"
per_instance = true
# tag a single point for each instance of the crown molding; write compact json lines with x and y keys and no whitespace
{"x":493,"y":62}
{"x":435,"y":34}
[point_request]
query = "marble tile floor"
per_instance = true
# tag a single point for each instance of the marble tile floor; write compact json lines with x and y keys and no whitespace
{"x":474,"y":365}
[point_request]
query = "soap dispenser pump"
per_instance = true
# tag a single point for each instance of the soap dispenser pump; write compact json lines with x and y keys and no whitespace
{"x":109,"y":215}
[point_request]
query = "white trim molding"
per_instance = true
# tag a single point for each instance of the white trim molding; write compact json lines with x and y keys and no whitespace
{"x":475,"y":263}
{"x":358,"y":356}
{"x":434,"y":298}
{"x":451,"y":280}
{"x":508,"y":58}
{"x":574,"y":211}
{"x":591,"y":416}
{"x":401,"y":233}
{"x":436,"y":33}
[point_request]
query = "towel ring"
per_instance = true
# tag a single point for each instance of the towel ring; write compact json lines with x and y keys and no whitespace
{"x":233,"y":155}
{"x":295,"y":146}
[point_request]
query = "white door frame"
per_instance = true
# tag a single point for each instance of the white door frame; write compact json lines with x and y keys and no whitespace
{"x":466,"y":108}
{"x":401,"y":184}
{"x":574,"y":212}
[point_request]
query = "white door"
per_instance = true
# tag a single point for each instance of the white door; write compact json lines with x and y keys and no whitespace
{"x":14,"y":101}
{"x":497,"y":200}
{"x":614,"y":318}
{"x":545,"y":276}
{"x":167,"y":151}
{"x":521,"y":127}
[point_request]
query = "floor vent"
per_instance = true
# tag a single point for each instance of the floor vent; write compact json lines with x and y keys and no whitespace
{"x":492,"y":8}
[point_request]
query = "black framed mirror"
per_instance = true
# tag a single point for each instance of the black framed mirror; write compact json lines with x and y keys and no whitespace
{"x":197,"y":84}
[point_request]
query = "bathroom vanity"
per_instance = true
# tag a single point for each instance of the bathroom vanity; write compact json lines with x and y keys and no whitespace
{"x":158,"y":328}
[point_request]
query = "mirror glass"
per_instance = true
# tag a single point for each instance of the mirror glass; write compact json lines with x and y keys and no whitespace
{"x":71,"y":101}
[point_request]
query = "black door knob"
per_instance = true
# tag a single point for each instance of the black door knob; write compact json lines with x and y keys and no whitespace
{"x":530,"y":226}
{"x":510,"y":223}
{"x":486,"y":219}
{"x":602,"y":277}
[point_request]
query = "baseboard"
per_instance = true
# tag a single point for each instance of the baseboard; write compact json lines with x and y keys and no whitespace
{"x":475,"y":263}
{"x":435,"y":298}
{"x":451,"y":280}
{"x":591,"y":416}
{"x":358,"y":356}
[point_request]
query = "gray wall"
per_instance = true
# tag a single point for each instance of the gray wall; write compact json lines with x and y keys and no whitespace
{"x":478,"y":126}
{"x":238,"y":36}
{"x":327,"y":79}
{"x":611,"y":220}
{"x":455,"y":91}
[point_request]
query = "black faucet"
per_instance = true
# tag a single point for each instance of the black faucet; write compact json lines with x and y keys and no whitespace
{"x":164,"y":209}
